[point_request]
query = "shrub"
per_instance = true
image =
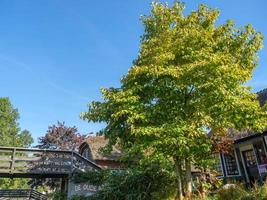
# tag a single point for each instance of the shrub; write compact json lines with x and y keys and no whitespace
{"x":257,"y":193}
{"x":59,"y":196}
{"x":236,"y":192}
{"x":131,"y":184}
{"x":239,"y":192}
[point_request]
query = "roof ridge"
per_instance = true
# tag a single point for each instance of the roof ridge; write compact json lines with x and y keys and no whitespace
{"x":96,"y":136}
{"x":96,"y":143}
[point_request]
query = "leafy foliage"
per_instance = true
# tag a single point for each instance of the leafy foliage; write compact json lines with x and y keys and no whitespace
{"x":190,"y":76}
{"x":240,"y":192}
{"x":61,"y":137}
{"x":132,"y":184}
{"x":58,"y":196}
{"x":96,"y":178}
{"x":10,"y":135}
{"x":15,"y":183}
{"x":222,"y":142}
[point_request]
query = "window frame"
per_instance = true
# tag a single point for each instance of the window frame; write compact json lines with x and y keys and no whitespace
{"x":220,"y":164}
{"x":225,"y":165}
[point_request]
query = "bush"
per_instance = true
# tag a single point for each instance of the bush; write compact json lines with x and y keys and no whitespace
{"x":236,"y":192}
{"x":131,"y":184}
{"x":258,"y":193}
{"x":59,"y":196}
{"x":239,"y":192}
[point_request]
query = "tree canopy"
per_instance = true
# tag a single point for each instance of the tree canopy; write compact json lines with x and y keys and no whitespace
{"x":10,"y":135}
{"x":10,"y":132}
{"x":62,"y":137}
{"x":190,"y":77}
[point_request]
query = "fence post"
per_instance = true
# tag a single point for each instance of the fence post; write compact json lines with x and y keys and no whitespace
{"x":13,"y":161}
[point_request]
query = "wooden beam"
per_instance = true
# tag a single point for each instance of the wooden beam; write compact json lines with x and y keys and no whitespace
{"x":5,"y":158}
{"x":13,"y":161}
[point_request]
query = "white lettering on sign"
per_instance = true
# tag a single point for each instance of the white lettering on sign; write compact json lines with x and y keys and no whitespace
{"x":77,"y":188}
{"x":89,"y":187}
{"x":83,"y":189}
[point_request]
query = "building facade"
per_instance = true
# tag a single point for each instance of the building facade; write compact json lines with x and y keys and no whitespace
{"x":247,"y":160}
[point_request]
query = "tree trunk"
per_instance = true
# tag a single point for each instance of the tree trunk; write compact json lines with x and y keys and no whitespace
{"x":179,"y":195}
{"x":188,"y":179}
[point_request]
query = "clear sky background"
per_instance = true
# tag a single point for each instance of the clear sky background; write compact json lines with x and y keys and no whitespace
{"x":55,"y":55}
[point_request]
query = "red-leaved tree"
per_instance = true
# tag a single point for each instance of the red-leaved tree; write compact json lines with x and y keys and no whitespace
{"x":61,"y":137}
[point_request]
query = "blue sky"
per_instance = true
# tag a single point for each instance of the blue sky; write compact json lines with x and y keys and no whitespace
{"x":55,"y":55}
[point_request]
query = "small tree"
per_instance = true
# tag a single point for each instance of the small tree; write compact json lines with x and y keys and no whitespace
{"x":61,"y":137}
{"x":190,"y":76}
{"x":11,"y":135}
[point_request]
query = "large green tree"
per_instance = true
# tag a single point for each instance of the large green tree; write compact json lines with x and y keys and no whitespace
{"x":190,"y":77}
{"x":10,"y":132}
{"x":11,"y":135}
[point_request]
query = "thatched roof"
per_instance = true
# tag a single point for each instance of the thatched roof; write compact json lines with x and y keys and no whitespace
{"x":96,"y":144}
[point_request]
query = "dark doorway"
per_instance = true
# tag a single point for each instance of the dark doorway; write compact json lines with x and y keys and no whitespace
{"x":251,"y":165}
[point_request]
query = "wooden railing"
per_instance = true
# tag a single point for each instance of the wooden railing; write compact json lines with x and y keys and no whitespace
{"x":23,"y":162}
{"x":20,"y":193}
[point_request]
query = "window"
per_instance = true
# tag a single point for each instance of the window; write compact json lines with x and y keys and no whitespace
{"x":260,"y":153}
{"x":261,"y":157}
{"x":217,"y":164}
{"x":231,"y":164}
{"x":250,"y":158}
{"x":85,"y":153}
